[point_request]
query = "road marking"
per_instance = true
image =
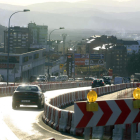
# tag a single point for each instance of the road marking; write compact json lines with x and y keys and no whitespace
{"x":54,"y":132}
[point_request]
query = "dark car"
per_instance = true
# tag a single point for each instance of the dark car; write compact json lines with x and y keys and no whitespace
{"x":107,"y":80}
{"x":98,"y":83}
{"x":28,"y":95}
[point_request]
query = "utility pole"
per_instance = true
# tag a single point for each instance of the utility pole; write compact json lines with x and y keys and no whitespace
{"x":64,"y":39}
{"x":74,"y":62}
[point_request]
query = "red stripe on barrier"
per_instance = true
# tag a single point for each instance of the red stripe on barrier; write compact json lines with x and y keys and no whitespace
{"x":125,"y":111}
{"x":107,"y":113}
{"x":87,"y":115}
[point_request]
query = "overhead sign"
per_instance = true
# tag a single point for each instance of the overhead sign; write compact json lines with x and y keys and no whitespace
{"x":81,"y":61}
{"x":110,"y":112}
{"x":61,"y":66}
{"x":96,"y":56}
{"x":81,"y":55}
{"x":96,"y":62}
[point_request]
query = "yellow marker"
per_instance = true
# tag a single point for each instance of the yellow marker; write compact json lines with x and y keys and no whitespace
{"x":91,"y":105}
{"x":136,"y":93}
{"x":92,"y":96}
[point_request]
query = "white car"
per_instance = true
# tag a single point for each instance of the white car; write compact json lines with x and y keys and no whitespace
{"x":70,"y":79}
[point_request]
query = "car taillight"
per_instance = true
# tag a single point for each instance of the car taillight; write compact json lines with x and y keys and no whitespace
{"x":92,"y":82}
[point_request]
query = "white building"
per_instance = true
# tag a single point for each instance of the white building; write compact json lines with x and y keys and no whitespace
{"x":26,"y":64}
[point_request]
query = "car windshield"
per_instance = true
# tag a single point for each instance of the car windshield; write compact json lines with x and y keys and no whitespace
{"x":27,"y":88}
{"x":98,"y":81}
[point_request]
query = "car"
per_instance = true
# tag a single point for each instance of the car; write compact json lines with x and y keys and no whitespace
{"x":89,"y":78}
{"x":107,"y":80}
{"x":70,"y":79}
{"x":53,"y":78}
{"x":42,"y":78}
{"x":28,"y":95}
{"x":62,"y":78}
{"x":98,"y":83}
{"x":79,"y":79}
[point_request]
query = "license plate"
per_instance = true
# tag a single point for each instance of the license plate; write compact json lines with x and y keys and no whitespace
{"x":25,"y":101}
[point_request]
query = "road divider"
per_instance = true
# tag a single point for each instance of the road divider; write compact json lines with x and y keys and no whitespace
{"x":63,"y":120}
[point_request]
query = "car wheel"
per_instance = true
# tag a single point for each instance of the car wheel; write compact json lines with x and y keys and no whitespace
{"x":13,"y":105}
{"x":39,"y":105}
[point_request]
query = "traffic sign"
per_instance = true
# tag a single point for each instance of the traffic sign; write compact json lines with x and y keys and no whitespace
{"x":61,"y":66}
{"x":110,"y":112}
{"x":100,"y":62}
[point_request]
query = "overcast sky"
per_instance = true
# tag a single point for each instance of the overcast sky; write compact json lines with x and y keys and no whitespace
{"x":28,"y":2}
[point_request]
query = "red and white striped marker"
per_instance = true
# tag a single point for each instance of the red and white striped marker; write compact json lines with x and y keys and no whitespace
{"x":111,"y":112}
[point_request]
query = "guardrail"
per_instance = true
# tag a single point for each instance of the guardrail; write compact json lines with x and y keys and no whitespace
{"x":8,"y":90}
{"x":63,"y":120}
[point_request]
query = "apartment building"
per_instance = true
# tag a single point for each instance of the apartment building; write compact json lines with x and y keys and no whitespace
{"x":19,"y":38}
{"x":116,"y":59}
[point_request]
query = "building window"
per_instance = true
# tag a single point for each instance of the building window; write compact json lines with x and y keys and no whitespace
{"x":36,"y":55}
{"x":30,"y":57}
{"x":25,"y":59}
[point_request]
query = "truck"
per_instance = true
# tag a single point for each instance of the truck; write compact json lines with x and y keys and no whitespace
{"x":118,"y":80}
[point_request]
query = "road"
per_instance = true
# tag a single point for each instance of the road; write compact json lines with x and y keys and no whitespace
{"x":26,"y":123}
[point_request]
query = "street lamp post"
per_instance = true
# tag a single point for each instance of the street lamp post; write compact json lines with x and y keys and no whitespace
{"x":49,"y":50}
{"x":8,"y":46}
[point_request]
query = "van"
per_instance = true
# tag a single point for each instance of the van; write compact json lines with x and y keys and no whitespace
{"x":62,"y":78}
{"x":118,"y":80}
{"x":52,"y":78}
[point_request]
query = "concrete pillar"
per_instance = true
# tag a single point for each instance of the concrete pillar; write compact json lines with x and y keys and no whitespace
{"x":118,"y":132}
{"x":97,"y":132}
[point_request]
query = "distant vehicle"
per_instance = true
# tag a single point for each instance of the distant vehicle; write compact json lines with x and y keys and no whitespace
{"x":70,"y":79}
{"x":33,"y":78}
{"x":107,"y":80}
{"x":89,"y":78}
{"x":97,"y":83}
{"x":42,"y":78}
{"x":118,"y":80}
{"x":136,"y":80}
{"x":126,"y":80}
{"x":62,"y":78}
{"x":53,"y":78}
{"x":79,"y":79}
{"x":28,"y":95}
